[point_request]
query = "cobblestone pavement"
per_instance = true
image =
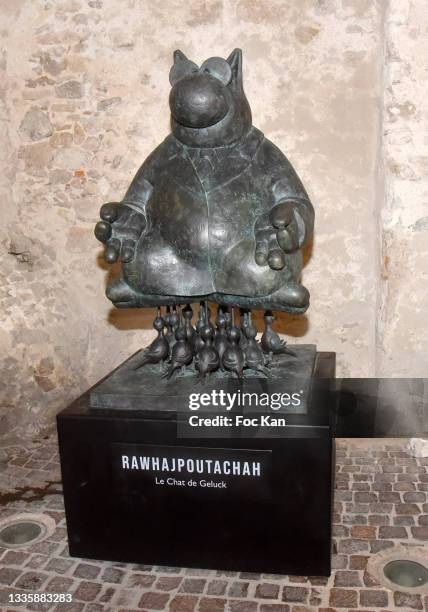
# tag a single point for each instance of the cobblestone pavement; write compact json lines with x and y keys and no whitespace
{"x":380,"y":501}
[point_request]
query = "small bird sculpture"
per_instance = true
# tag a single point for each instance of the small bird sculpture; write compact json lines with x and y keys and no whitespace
{"x":220,"y":313}
{"x":182,"y":353}
{"x":172,"y":322}
{"x":271,"y":343}
{"x":174,"y":319}
{"x":221,"y":341}
{"x":166,"y":318}
{"x":208,"y":319}
{"x":233,"y":356}
{"x":187,"y":313}
{"x":201,"y":317}
{"x":243,"y":324}
{"x":254,"y":356}
{"x":207,"y":358}
{"x":199,"y":343}
{"x":158,"y":350}
{"x":228,"y":317}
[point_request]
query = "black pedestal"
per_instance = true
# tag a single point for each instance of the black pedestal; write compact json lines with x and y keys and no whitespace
{"x":135,"y":491}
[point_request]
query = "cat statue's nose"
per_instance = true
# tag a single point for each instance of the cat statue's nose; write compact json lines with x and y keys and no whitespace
{"x":198,"y":101}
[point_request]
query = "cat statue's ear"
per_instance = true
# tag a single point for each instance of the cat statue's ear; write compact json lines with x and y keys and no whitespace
{"x":179,"y":56}
{"x":235,"y":62}
{"x":181,"y":67}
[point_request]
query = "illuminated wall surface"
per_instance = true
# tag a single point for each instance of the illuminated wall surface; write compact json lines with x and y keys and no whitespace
{"x":339,"y":85}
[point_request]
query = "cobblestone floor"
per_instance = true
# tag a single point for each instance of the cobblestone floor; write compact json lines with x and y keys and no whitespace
{"x":380,"y":501}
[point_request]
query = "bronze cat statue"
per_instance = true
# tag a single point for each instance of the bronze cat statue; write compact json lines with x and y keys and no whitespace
{"x":216,"y":212}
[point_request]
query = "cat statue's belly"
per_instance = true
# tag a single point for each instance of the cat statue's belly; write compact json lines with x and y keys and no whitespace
{"x":200,"y":237}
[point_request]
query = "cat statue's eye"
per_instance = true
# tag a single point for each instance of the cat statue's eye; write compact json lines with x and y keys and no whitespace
{"x":218,"y":68}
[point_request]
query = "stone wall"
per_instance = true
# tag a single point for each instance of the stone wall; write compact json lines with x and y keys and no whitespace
{"x":402,"y":334}
{"x":84,"y":92}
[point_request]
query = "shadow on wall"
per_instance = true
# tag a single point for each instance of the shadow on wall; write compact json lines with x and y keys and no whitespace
{"x":380,"y":407}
